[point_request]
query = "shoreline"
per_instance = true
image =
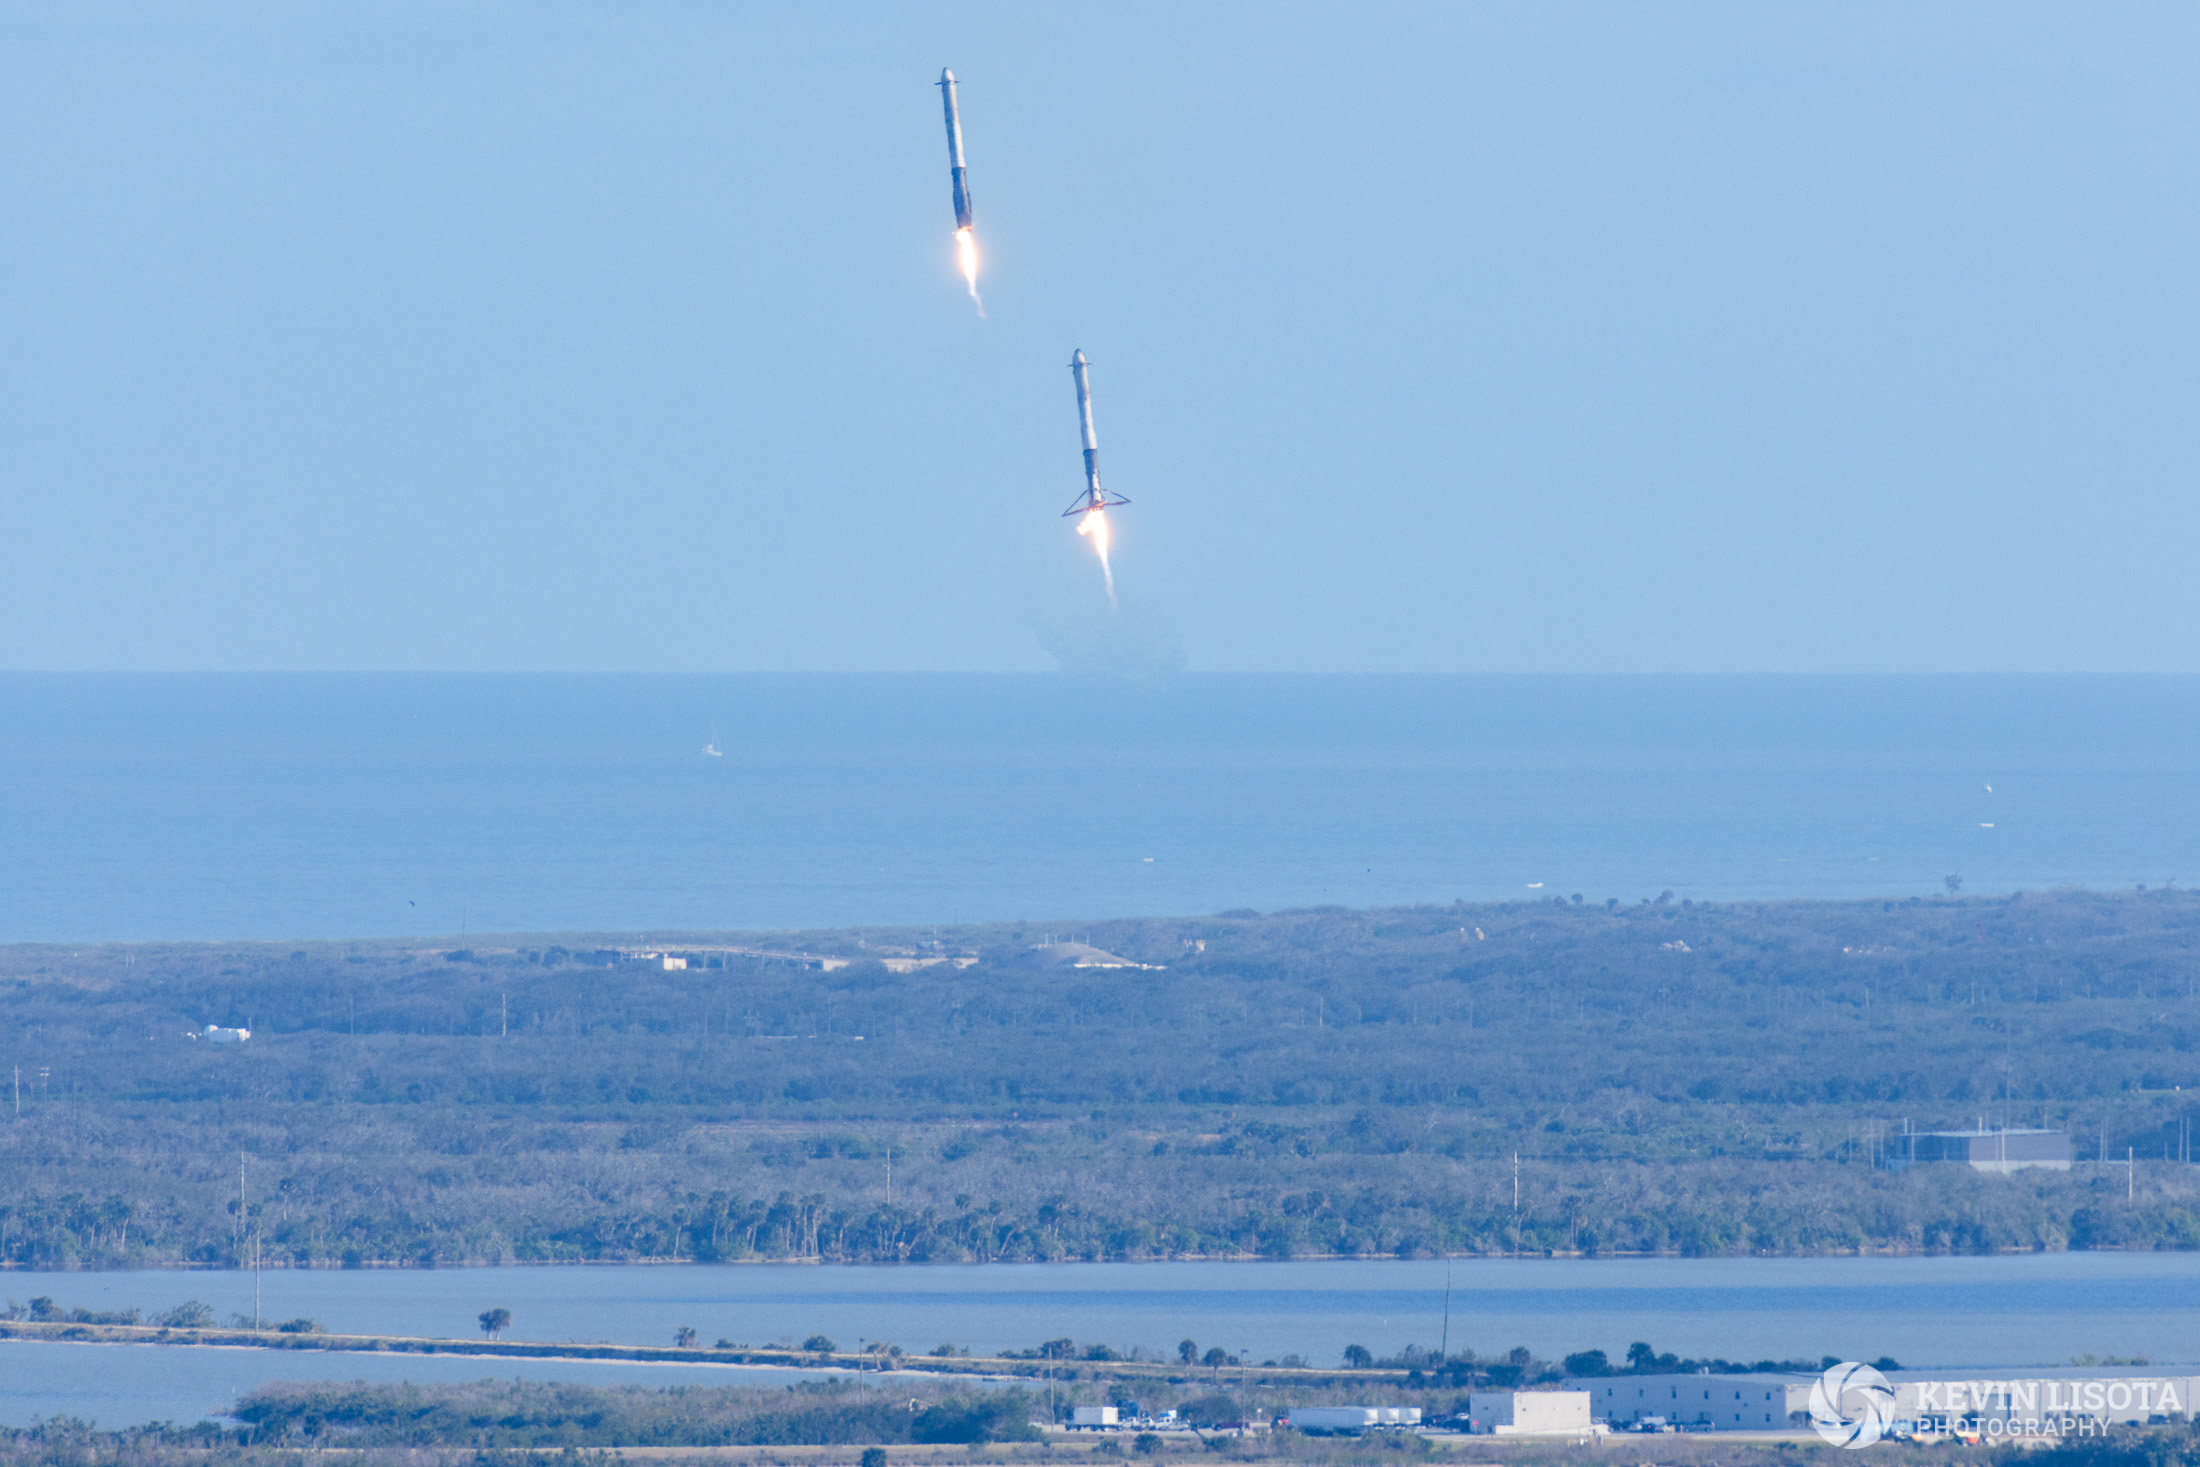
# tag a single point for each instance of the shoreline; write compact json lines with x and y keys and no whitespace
{"x":991,"y":1367}
{"x":1559,"y":1255}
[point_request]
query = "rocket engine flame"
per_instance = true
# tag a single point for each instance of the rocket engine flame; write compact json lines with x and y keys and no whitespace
{"x":1095,"y":524}
{"x":966,"y":256}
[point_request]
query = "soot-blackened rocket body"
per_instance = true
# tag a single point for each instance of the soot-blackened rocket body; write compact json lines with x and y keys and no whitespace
{"x":1094,"y":496}
{"x":956,"y":171}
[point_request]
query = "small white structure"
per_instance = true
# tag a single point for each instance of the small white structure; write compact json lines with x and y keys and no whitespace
{"x":1352,"y":1420}
{"x":674,"y":965}
{"x":216,"y":1034}
{"x":1094,"y":1416}
{"x":1530,"y":1413}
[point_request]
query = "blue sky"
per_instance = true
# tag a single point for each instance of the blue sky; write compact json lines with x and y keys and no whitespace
{"x":1425,"y":337}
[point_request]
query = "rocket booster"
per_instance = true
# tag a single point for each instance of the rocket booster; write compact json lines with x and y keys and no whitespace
{"x":1079,"y":371}
{"x":1094,"y":496}
{"x":955,"y":169}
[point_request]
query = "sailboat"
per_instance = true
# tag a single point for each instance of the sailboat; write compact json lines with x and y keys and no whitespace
{"x":711,"y":749}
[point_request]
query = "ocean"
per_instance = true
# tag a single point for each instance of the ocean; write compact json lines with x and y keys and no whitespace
{"x":365,"y":805}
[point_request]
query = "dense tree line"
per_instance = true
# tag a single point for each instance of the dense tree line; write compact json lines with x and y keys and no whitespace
{"x":1674,"y":1077}
{"x":495,"y":1413}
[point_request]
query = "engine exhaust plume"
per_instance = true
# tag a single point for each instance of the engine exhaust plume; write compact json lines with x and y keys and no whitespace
{"x":1095,"y":524}
{"x":966,"y":256}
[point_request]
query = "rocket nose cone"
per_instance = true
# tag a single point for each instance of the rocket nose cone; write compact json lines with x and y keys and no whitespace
{"x":947,"y":78}
{"x":1077,"y":359}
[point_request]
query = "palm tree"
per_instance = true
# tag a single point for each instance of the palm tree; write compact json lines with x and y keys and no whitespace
{"x":494,"y":1322}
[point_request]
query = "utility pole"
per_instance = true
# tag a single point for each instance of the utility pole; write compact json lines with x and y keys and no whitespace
{"x":1444,"y":1349}
{"x":255,"y":1280}
{"x":2131,"y":1173}
{"x":889,"y":1176}
{"x":504,"y":1007}
{"x":19,"y":1092}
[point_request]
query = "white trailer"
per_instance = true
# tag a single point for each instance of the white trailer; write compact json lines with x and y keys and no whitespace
{"x":1352,"y":1420}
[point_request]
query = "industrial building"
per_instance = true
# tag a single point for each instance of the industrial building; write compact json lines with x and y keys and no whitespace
{"x":1530,"y":1413}
{"x":1706,"y":1402}
{"x":1934,"y":1402}
{"x":2041,"y":1405}
{"x":1982,"y":1150}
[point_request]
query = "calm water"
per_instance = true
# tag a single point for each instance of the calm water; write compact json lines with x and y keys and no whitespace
{"x":2032,"y":1310}
{"x":337,"y":805}
{"x":129,"y":1385}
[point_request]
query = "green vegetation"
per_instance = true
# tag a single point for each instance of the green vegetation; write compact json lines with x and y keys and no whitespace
{"x":1673,"y":1078}
{"x":494,"y":1413}
{"x":2175,"y":1445}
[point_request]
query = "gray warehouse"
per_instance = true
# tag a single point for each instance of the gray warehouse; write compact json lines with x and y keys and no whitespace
{"x":1986,"y":1151}
{"x":1721,"y":1402}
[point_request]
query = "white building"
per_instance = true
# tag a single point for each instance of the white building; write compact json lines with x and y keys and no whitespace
{"x":1094,"y":1416}
{"x":1721,"y":1402}
{"x":1932,"y":1401}
{"x":2039,"y":1405}
{"x":1529,"y":1413}
{"x":216,"y":1034}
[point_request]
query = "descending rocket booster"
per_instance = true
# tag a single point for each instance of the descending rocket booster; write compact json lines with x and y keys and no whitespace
{"x":1094,"y":497}
{"x":966,"y":236}
{"x":955,"y":169}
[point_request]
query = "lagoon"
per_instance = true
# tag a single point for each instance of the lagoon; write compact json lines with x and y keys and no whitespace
{"x":2029,"y":1310}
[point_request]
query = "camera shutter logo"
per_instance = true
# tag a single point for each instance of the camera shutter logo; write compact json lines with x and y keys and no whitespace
{"x":1851,"y":1405}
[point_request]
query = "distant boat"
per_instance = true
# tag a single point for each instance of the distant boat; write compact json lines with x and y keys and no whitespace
{"x":711,"y":749}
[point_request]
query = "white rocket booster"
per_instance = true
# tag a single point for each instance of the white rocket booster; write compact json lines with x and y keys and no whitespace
{"x":955,"y":169}
{"x":1094,"y":496}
